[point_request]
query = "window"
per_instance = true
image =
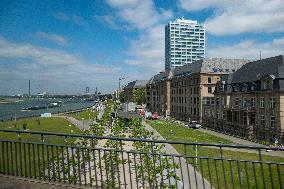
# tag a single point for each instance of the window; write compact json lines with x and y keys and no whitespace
{"x":261,"y":102}
{"x":253,"y":102}
{"x":244,"y":102}
{"x":252,"y":118}
{"x":235,"y":88}
{"x":267,"y":83}
{"x":218,"y":114}
{"x":272,"y":121}
{"x":236,"y":116}
{"x":209,"y":89}
{"x":217,"y":101}
{"x":272,"y":102}
{"x":245,"y":118}
{"x":209,"y":79}
{"x":224,"y":115}
{"x":262,"y":120}
{"x":236,"y":101}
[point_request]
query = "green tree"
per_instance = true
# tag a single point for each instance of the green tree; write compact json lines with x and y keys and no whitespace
{"x":139,"y":96}
{"x":122,"y":97}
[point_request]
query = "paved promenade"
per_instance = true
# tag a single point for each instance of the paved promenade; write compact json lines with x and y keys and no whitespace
{"x":243,"y":142}
{"x":192,"y":179}
{"x":80,"y":124}
{"x":11,"y":182}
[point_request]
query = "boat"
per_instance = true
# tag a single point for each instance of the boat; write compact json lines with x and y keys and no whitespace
{"x":37,"y":107}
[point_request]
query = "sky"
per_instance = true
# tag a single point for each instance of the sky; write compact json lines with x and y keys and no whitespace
{"x":65,"y":46}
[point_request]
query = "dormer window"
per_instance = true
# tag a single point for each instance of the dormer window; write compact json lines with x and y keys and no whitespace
{"x":221,"y":88}
{"x":235,"y":88}
{"x":267,"y":82}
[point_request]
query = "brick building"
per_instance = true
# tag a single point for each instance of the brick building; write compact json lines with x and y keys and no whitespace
{"x":179,"y":93}
{"x":250,"y":102}
{"x":158,"y":93}
{"x":193,"y":84}
{"x":130,"y":87}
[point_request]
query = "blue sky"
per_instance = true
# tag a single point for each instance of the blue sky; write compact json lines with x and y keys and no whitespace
{"x":64,"y":46}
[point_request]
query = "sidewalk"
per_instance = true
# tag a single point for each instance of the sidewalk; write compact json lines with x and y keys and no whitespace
{"x":243,"y":142}
{"x":80,"y":124}
{"x":12,"y":182}
{"x":190,"y":179}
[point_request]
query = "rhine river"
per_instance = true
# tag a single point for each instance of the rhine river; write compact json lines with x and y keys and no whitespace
{"x":14,"y":110}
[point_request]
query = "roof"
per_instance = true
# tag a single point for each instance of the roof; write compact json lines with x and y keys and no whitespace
{"x":137,"y":84}
{"x":159,"y":77}
{"x":210,"y":65}
{"x":255,"y":70}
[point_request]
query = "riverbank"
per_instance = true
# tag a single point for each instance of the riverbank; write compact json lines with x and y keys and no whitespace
{"x":14,"y":111}
{"x":51,"y":124}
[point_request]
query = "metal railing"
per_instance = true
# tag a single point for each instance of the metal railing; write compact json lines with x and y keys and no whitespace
{"x":187,"y":165}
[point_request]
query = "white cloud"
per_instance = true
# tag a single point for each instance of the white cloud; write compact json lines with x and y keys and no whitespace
{"x":60,"y":40}
{"x":249,"y":49}
{"x":52,"y":67}
{"x":148,"y":49}
{"x":240,"y":16}
{"x":72,"y":18}
{"x":139,"y":14}
{"x":111,"y":21}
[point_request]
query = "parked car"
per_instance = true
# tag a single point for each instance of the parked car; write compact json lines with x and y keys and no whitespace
{"x":194,"y":125}
{"x":155,"y":116}
{"x":148,"y":115}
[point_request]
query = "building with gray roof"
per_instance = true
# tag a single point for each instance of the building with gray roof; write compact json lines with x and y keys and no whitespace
{"x":250,"y":102}
{"x":128,"y":90}
{"x":180,"y":92}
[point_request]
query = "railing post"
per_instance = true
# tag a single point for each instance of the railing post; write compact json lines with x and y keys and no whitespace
{"x":66,"y":141}
{"x":259,"y":154}
{"x":221,"y":151}
{"x":41,"y":138}
{"x":19,"y":136}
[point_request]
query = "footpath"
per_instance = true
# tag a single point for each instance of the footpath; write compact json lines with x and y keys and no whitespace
{"x":243,"y":142}
{"x":191,"y":178}
{"x":80,"y":124}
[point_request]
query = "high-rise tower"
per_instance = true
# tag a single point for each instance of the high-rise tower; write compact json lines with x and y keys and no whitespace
{"x":184,"y":42}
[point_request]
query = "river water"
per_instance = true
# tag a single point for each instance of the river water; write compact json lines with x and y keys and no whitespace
{"x":13,"y":110}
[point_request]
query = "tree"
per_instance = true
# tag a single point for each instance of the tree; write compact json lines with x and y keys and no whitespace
{"x":122,"y":97}
{"x":139,"y":96}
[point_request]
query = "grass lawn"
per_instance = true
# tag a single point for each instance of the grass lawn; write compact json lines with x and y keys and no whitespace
{"x":86,"y":114}
{"x":53,"y":124}
{"x":25,"y":158}
{"x":223,"y":174}
{"x":180,"y":133}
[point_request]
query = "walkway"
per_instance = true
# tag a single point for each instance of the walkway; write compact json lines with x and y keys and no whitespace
{"x":11,"y":182}
{"x":243,"y":142}
{"x":80,"y":124}
{"x":190,"y":179}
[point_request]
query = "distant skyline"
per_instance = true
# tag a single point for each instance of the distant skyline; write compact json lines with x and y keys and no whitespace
{"x":65,"y":46}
